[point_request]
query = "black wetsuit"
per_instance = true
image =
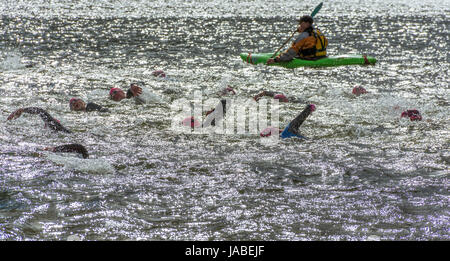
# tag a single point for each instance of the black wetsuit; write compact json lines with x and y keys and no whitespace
{"x":292,"y":129}
{"x":51,"y":122}
{"x":78,"y":148}
{"x":90,"y":106}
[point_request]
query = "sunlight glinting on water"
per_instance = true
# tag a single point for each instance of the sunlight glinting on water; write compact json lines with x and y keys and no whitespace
{"x":364,"y":173}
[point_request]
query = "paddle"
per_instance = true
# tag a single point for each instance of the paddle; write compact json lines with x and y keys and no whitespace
{"x":316,"y":10}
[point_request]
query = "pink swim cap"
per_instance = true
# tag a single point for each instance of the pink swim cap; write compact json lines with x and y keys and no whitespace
{"x":229,"y":89}
{"x":312,"y":107}
{"x":73,"y":100}
{"x":190,"y":121}
{"x":159,"y":73}
{"x":358,"y":90}
{"x":269,"y":131}
{"x":280,"y":96}
{"x":112,"y":90}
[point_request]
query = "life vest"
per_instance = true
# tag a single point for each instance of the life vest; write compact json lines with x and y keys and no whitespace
{"x":313,"y":46}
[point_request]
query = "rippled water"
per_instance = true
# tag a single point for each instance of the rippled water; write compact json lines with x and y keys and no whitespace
{"x":364,"y":173}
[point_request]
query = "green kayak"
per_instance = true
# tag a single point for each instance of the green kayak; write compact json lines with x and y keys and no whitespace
{"x":337,"y":60}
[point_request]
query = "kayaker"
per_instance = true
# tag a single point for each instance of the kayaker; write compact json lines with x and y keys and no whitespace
{"x":292,"y":129}
{"x":49,"y":121}
{"x":78,"y":148}
{"x":77,"y":104}
{"x":311,"y":44}
{"x":277,"y":96}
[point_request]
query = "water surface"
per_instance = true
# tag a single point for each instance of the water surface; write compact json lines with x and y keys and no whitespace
{"x":363,"y":173}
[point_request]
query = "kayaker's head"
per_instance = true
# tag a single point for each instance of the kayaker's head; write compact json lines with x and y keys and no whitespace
{"x":304,"y":23}
{"x":116,"y":94}
{"x":77,"y":104}
{"x":281,"y":97}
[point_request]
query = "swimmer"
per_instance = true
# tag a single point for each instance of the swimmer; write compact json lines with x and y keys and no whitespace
{"x":358,"y":90}
{"x":117,"y":94}
{"x":159,"y":73}
{"x":227,"y":91}
{"x":77,"y":104}
{"x":191,"y":121}
{"x":414,"y":115}
{"x":218,"y":113}
{"x":49,"y":121}
{"x":292,"y":129}
{"x":78,"y":148}
{"x":277,"y":96}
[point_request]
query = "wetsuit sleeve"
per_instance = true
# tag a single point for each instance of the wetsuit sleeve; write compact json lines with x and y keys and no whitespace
{"x":295,"y":124}
{"x":287,"y":56}
{"x":95,"y":107}
{"x":78,"y":148}
{"x":51,"y":122}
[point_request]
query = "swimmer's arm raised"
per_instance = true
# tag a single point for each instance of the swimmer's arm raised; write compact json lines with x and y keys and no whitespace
{"x":295,"y":124}
{"x":15,"y":114}
{"x":45,"y":116}
{"x":30,"y":110}
{"x":134,"y":91}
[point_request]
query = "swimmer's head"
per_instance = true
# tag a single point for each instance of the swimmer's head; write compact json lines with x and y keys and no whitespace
{"x":312,"y":107}
{"x":414,"y":115}
{"x":159,"y":73}
{"x":267,"y":132}
{"x":190,"y":121}
{"x":77,"y":104}
{"x":281,"y":97}
{"x":358,"y":90}
{"x":116,"y":94}
{"x":228,"y":90}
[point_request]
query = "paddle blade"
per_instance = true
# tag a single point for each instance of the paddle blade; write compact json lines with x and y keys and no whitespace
{"x":316,"y":10}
